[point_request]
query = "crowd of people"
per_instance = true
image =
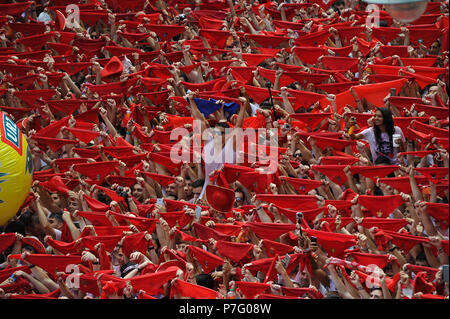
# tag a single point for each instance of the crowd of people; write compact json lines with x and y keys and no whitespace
{"x":355,"y":112}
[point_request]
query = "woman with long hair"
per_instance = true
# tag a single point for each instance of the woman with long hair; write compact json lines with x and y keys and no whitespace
{"x":383,"y":137}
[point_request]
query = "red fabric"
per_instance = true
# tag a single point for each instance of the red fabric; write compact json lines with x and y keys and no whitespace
{"x":96,"y":170}
{"x":274,"y":247}
{"x":56,"y":184}
{"x":337,"y":144}
{"x":251,"y":289}
{"x":339,"y":63}
{"x":63,"y":247}
{"x":269,"y":231}
{"x":310,"y":119}
{"x":31,"y":97}
{"x":205,"y":233}
{"x":207,"y":260}
{"x":313,"y":38}
{"x":85,"y":136}
{"x":441,"y":113}
{"x":53,"y":263}
{"x":303,"y":78}
{"x":434,"y":174}
{"x":384,"y":223}
{"x":309,"y":55}
{"x":6,"y":240}
{"x":186,"y":289}
{"x":375,"y":93}
{"x":254,"y":59}
{"x":333,"y":243}
{"x":431,"y":272}
{"x":439,"y":211}
{"x":308,"y":215}
{"x":258,"y":94}
{"x":429,"y":129}
{"x":234,"y":251}
{"x":302,"y":186}
{"x":267,"y":41}
{"x":334,"y":172}
{"x":374,"y":172}
{"x":422,"y":284}
{"x":163,"y":180}
{"x":72,"y":68}
{"x":338,"y":160}
{"x":372,"y":203}
{"x":135,"y":242}
{"x":96,"y":218}
{"x":405,"y":241}
{"x":94,"y":204}
{"x":271,"y":274}
{"x":290,"y":201}
{"x":304,"y":98}
{"x":371,"y":259}
{"x":215,"y":38}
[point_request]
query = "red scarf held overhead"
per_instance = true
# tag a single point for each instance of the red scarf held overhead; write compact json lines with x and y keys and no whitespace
{"x":371,"y":259}
{"x":434,"y":174}
{"x":374,"y":172}
{"x":97,"y":170}
{"x":204,"y":233}
{"x":207,"y":260}
{"x":234,"y":251}
{"x":384,"y":223}
{"x":439,"y":211}
{"x":334,"y":172}
{"x":269,"y":231}
{"x":96,"y":218}
{"x":135,"y":242}
{"x":185,"y":289}
{"x":309,"y":55}
{"x":302,"y":186}
{"x":290,"y":201}
{"x":380,"y":209}
{"x":405,"y":241}
{"x":333,"y":243}
{"x":251,"y":289}
{"x":274,"y":247}
{"x":216,"y":38}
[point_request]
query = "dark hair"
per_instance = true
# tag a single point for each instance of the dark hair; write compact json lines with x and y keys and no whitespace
{"x":266,"y":105}
{"x":16,"y":226}
{"x":421,"y":256}
{"x":198,"y":183}
{"x":375,"y":288}
{"x":388,"y":123}
{"x":57,"y":216}
{"x":125,"y":269}
{"x":29,"y":219}
{"x":205,"y":280}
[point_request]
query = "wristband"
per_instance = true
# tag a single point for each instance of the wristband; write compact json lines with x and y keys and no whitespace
{"x":128,"y":133}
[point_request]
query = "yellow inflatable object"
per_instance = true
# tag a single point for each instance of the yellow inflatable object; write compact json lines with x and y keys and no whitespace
{"x":16,"y":168}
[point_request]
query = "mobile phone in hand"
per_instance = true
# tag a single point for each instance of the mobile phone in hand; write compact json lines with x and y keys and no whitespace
{"x":313,"y":241}
{"x":198,"y":212}
{"x":160,"y":201}
{"x":445,"y":273}
{"x":393,"y":92}
{"x":286,"y":260}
